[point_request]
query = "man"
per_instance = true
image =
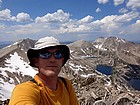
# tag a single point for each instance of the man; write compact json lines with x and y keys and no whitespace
{"x":47,"y":88}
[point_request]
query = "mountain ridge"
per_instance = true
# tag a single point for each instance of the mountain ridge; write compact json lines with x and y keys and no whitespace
{"x":90,"y":85}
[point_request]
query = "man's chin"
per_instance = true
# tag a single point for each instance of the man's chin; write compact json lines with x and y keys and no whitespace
{"x":51,"y":73}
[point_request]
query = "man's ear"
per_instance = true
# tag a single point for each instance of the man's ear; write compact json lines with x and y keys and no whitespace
{"x":35,"y":60}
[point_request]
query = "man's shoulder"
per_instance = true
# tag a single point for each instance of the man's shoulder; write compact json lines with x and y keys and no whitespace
{"x":26,"y":85}
{"x":66,"y":82}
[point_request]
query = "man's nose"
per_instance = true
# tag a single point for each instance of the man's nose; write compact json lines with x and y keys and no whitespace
{"x":52,"y":58}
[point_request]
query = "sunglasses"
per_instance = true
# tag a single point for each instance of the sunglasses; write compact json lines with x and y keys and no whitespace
{"x":46,"y":55}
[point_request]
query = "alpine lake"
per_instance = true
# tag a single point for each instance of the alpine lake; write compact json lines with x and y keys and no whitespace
{"x":107,"y":70}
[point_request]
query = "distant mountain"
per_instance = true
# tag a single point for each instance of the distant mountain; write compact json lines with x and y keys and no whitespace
{"x":4,"y":44}
{"x":91,"y":86}
{"x":14,"y":67}
{"x":127,"y":51}
{"x":137,"y":42}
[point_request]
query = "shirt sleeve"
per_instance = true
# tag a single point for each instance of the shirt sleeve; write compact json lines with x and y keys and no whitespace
{"x":73,"y":97}
{"x":25,"y":94}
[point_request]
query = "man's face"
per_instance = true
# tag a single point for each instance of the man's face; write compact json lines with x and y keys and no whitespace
{"x":49,"y":62}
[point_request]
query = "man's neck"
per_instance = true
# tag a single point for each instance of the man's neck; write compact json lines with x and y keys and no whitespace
{"x":50,"y":82}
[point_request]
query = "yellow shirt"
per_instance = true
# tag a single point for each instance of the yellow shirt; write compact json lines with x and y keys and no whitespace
{"x":30,"y":93}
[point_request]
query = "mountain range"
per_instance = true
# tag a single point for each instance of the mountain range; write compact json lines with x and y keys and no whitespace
{"x":92,"y":86}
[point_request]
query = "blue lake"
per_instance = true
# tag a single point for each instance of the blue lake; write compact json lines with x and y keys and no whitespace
{"x":107,"y":70}
{"x":135,"y":83}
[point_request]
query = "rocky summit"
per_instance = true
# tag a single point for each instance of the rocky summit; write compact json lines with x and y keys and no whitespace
{"x":103,"y":72}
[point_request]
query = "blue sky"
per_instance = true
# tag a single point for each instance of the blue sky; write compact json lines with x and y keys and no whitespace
{"x":69,"y":20}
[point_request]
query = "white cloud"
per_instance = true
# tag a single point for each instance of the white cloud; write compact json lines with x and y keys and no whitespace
{"x":138,"y":23}
{"x":116,"y":24}
{"x":58,"y":16}
{"x":86,"y":19}
{"x":127,"y":17}
{"x":23,"y":17}
{"x":134,"y":4}
{"x":132,"y":31}
{"x":109,"y":25}
{"x":118,"y":2}
{"x":134,"y":28}
{"x":6,"y":15}
{"x":98,"y":10}
{"x":123,"y":10}
{"x":103,"y":1}
{"x":59,"y":24}
{"x":23,"y":30}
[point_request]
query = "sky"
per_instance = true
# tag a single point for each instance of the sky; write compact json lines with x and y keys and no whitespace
{"x":69,"y":20}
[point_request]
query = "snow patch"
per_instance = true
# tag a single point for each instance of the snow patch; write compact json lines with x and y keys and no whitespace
{"x":13,"y":64}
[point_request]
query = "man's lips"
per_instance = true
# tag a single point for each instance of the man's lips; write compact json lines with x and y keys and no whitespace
{"x":51,"y":66}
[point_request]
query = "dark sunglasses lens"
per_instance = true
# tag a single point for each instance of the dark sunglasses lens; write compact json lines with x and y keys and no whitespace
{"x":58,"y":55}
{"x":45,"y":55}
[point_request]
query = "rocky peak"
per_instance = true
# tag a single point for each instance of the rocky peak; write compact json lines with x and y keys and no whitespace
{"x":100,"y":40}
{"x":91,"y":86}
{"x":80,"y":44}
{"x":25,"y":44}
